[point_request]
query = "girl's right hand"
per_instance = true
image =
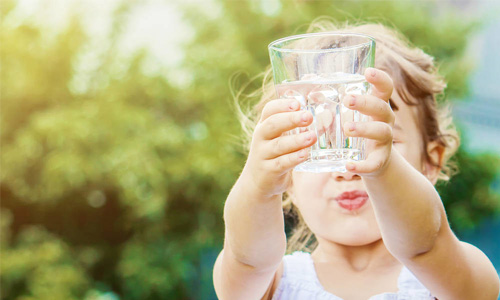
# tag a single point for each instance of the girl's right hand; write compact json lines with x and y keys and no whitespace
{"x":273,"y":154}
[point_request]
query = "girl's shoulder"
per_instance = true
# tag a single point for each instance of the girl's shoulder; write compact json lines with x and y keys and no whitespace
{"x":299,"y":266}
{"x":292,"y":272}
{"x":298,"y":280}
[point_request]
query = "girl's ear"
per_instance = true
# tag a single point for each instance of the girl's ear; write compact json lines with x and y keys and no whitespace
{"x":436,"y":154}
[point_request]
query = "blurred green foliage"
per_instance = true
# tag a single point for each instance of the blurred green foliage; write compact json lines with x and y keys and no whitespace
{"x":113,"y":183}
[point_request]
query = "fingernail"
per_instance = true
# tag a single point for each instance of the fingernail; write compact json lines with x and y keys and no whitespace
{"x":352,"y":100}
{"x":351,"y":126}
{"x":350,"y":166}
{"x":294,"y":105}
{"x":373,"y":72}
{"x":304,"y":116}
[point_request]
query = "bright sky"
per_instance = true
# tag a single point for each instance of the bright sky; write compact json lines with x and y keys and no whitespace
{"x":153,"y":24}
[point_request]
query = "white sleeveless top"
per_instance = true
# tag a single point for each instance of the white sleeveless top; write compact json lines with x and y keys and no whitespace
{"x":300,"y":282}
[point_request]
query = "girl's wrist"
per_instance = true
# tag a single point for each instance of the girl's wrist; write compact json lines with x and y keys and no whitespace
{"x":384,"y":170}
{"x":246,"y":183}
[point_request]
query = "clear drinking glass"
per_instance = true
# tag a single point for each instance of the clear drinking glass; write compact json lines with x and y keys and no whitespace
{"x":319,"y":70}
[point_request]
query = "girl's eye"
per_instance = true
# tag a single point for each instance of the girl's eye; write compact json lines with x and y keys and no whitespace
{"x":395,"y":142}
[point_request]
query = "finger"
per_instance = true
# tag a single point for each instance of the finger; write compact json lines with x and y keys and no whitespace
{"x":277,"y":124}
{"x":371,"y":106}
{"x":372,"y":165}
{"x":289,"y":143}
{"x":285,"y":163}
{"x":378,"y":131}
{"x":382,"y":83}
{"x":278,"y":106}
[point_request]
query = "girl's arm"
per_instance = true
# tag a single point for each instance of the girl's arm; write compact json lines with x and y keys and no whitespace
{"x":409,"y":210}
{"x":255,"y":240}
{"x":254,"y":245}
{"x":416,"y":231}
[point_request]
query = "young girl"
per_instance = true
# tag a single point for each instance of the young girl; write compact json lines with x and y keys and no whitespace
{"x":376,"y":232}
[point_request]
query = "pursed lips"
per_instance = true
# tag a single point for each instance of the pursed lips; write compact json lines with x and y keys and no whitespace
{"x":352,"y":200}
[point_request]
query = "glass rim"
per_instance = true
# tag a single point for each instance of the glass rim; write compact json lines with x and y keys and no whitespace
{"x":272,"y":45}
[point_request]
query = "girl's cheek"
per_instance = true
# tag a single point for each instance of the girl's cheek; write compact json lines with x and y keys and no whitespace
{"x":399,"y":146}
{"x":409,"y":152}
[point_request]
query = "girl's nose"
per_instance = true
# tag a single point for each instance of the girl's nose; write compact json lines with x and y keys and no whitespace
{"x":347,"y":176}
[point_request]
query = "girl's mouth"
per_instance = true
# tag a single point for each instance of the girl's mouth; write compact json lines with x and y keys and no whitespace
{"x":352,"y":200}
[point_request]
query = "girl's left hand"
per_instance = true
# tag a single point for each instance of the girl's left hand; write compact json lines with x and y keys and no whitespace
{"x":379,"y":131}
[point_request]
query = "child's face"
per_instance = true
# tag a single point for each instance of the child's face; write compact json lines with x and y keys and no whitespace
{"x":314,"y":194}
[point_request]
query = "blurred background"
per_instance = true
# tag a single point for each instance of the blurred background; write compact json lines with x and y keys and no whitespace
{"x":119,"y":141}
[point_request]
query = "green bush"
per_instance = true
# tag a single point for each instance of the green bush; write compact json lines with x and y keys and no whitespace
{"x":113,"y":183}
